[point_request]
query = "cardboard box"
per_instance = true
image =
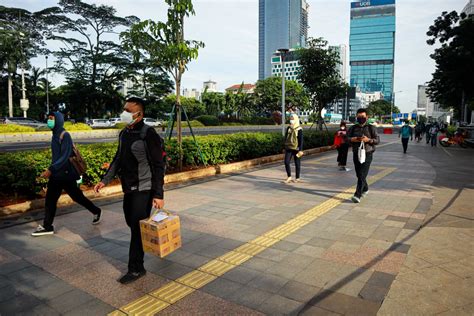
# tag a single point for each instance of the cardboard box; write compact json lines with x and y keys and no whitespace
{"x":163,"y":237}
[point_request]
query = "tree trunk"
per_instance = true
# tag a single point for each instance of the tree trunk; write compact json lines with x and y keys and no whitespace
{"x":10,"y":96}
{"x":178,"y":124}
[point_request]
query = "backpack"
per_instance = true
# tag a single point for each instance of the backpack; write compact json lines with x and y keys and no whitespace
{"x":291,"y":141}
{"x":143,"y":133}
{"x":76,"y":160}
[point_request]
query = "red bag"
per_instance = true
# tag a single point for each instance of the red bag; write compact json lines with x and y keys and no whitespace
{"x":337,"y":140}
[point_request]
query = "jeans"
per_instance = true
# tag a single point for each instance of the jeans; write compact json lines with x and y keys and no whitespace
{"x":405,"y":144}
{"x":288,"y":155}
{"x":362,"y":170}
{"x":136,"y":206}
{"x":342,"y":155}
{"x":433,"y":140}
{"x":55,"y":188}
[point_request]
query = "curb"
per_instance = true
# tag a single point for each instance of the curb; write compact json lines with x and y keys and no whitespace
{"x":113,"y":190}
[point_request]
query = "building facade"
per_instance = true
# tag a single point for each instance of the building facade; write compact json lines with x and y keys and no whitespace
{"x":246,"y":88}
{"x":282,"y":24}
{"x":469,"y":8}
{"x":425,"y":107}
{"x":291,"y":64}
{"x":342,"y":67}
{"x":372,"y":46}
{"x":192,"y":93}
{"x":210,"y":85}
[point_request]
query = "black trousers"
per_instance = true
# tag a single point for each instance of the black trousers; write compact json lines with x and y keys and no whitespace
{"x":405,"y":144}
{"x":342,"y":154}
{"x":136,"y":206}
{"x":428,"y":136}
{"x":362,"y":170}
{"x":434,"y":139}
{"x":55,"y":188}
{"x":288,"y":155}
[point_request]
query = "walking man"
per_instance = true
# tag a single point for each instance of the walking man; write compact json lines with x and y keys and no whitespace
{"x":139,"y":164}
{"x":405,"y":133}
{"x":62,"y":176}
{"x":434,"y":135}
{"x":362,"y":132}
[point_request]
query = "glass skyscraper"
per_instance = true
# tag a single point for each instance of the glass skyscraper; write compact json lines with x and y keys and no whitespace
{"x":282,"y":24}
{"x":372,"y":46}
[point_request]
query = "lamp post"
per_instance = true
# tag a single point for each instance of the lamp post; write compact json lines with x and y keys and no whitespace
{"x":392,"y":104}
{"x":47,"y":86}
{"x":283,"y":52}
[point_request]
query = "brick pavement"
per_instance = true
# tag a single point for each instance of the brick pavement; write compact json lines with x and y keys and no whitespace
{"x":353,"y":259}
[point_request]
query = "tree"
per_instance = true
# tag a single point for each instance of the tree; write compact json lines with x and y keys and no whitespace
{"x":453,"y":82}
{"x":93,"y":62}
{"x":213,"y":101}
{"x":167,"y":48}
{"x":21,"y":38}
{"x":319,"y":75}
{"x":268,"y":95}
{"x":381,"y":108}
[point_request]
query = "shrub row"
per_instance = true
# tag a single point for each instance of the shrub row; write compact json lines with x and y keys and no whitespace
{"x":19,"y":171}
{"x":13,"y":128}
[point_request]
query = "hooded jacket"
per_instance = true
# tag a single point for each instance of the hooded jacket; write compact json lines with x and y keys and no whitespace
{"x":61,"y":168}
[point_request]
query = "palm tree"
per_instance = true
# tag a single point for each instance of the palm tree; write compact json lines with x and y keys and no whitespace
{"x":35,"y":77}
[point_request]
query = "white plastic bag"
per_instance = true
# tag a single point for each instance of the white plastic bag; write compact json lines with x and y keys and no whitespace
{"x":361,"y":152}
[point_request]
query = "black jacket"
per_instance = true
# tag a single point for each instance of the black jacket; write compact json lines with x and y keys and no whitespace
{"x":139,"y":163}
{"x":61,"y":149}
{"x":368,"y":130}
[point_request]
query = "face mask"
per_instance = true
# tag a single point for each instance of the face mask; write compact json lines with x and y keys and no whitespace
{"x":361,"y":120}
{"x":127,"y":117}
{"x":51,"y":124}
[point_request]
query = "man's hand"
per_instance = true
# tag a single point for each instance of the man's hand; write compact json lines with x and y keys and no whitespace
{"x":99,"y":186}
{"x":46,"y":174}
{"x":355,"y":139}
{"x":365,"y":139}
{"x":158,"y":203}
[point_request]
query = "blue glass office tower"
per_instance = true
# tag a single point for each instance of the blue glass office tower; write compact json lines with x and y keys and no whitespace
{"x":282,"y":24}
{"x":372,"y":46}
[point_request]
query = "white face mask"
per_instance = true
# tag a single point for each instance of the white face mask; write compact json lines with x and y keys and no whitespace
{"x":127,"y":117}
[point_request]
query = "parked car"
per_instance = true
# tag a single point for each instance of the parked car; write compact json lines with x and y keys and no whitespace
{"x":114,"y":121}
{"x":22,"y":121}
{"x":99,"y":123}
{"x":152,"y":122}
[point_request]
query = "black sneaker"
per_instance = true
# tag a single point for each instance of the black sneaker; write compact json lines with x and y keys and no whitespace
{"x":97,"y":218}
{"x":131,"y":277}
{"x":41,"y":231}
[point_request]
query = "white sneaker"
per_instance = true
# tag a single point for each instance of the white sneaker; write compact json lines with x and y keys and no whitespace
{"x":364,"y":194}
{"x":355,"y":199}
{"x":298,"y":180}
{"x":41,"y":231}
{"x":288,"y":180}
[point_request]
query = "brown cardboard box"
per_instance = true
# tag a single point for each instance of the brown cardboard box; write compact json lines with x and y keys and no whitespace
{"x":163,"y":237}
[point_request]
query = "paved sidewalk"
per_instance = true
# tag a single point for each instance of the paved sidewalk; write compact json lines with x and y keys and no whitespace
{"x":325,"y":255}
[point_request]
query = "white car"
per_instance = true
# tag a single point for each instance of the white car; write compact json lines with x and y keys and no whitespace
{"x":114,"y":121}
{"x":99,"y":123}
{"x":152,"y":122}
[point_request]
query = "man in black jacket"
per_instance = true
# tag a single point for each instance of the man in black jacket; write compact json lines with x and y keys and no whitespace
{"x":62,"y":176}
{"x":358,"y":133}
{"x":140,"y":166}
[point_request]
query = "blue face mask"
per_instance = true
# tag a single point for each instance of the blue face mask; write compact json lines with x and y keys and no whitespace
{"x":51,"y":124}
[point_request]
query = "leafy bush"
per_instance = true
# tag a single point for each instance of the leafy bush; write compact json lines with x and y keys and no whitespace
{"x":193,"y":123}
{"x":69,"y":126}
{"x":13,"y":128}
{"x":257,"y":120}
{"x":208,"y":120}
{"x":19,"y":170}
{"x":120,"y":125}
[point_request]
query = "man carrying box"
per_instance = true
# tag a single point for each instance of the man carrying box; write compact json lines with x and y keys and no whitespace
{"x":139,"y":164}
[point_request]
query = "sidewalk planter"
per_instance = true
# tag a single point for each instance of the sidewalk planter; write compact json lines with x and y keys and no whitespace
{"x":19,"y":170}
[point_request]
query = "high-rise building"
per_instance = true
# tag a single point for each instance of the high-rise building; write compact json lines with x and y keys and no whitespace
{"x":342,"y":66}
{"x":282,"y":24}
{"x":426,"y":107}
{"x":372,"y":46}
{"x":210,"y":85}
{"x":291,"y":64}
{"x":192,"y":93}
{"x":469,"y":8}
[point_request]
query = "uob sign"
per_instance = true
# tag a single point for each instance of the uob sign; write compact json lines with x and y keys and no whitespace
{"x":364,"y":3}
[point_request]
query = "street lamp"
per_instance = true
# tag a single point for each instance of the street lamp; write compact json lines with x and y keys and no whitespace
{"x":283,"y":52}
{"x":47,"y":87}
{"x":392,"y":105}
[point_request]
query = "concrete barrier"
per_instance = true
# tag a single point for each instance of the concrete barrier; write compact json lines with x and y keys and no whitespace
{"x":113,"y":190}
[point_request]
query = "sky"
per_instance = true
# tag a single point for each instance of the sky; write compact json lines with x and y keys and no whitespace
{"x":229,"y":28}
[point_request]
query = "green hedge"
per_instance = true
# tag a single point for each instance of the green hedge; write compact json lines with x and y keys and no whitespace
{"x":208,"y":120}
{"x":76,"y":127}
{"x":19,"y":170}
{"x":13,"y":128}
